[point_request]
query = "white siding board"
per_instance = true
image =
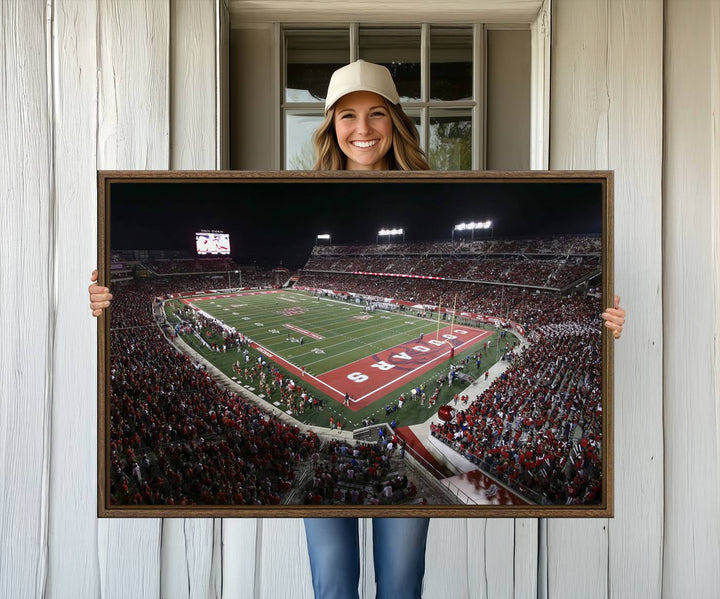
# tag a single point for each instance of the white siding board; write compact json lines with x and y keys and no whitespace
{"x":692,"y":398}
{"x":189,"y":566}
{"x":577,"y":559}
{"x":607,"y":75}
{"x":635,"y":48}
{"x":216,"y":568}
{"x":282,"y":566}
{"x":499,"y":557}
{"x":476,"y":567}
{"x":578,"y":97}
{"x":469,"y":557}
{"x":193,"y":85}
{"x":447,"y":559}
{"x":133,"y":127}
{"x":715,"y":195}
{"x":26,"y":316}
{"x":133,"y":130}
{"x":525,"y":561}
{"x":73,"y":561}
{"x":187,"y":558}
{"x":129,"y":557}
{"x":577,"y":550}
{"x":239,"y":557}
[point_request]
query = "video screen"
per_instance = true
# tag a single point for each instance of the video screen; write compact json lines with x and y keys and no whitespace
{"x":208,"y":242}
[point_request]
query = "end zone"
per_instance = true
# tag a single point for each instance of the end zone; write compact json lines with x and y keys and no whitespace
{"x":370,"y":378}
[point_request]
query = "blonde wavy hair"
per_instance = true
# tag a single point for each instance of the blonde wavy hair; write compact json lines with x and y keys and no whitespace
{"x":405,"y":153}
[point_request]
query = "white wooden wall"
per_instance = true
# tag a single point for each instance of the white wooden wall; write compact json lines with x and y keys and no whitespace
{"x":635,"y":87}
{"x":607,"y":112}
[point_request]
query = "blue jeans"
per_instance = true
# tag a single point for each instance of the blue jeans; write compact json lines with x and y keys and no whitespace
{"x":398,"y":552}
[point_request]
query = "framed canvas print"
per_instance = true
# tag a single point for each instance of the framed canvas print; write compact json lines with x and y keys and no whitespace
{"x":355,"y":344}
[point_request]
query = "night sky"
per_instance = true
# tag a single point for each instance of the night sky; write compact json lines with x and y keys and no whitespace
{"x":272,"y":223}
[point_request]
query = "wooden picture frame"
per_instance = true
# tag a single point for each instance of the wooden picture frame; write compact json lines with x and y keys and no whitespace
{"x":191,"y":423}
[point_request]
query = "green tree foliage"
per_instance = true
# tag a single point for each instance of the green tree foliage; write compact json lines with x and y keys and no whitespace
{"x":450,"y":145}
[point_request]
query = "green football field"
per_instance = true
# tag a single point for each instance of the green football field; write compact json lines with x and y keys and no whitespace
{"x":330,"y":338}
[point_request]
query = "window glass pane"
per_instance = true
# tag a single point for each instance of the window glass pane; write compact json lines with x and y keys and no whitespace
{"x":311,"y":58}
{"x":450,"y":145}
{"x":415,"y":117}
{"x":299,"y":149}
{"x":398,"y":50}
{"x":451,"y":56}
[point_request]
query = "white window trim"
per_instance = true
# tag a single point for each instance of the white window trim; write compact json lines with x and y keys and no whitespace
{"x":540,"y":89}
{"x":540,"y":72}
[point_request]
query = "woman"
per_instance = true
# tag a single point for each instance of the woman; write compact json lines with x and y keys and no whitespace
{"x":365,"y":129}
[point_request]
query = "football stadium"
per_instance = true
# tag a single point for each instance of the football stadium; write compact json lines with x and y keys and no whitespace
{"x":385,"y":371}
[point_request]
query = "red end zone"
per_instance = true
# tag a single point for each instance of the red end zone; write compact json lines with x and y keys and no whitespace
{"x":375,"y":376}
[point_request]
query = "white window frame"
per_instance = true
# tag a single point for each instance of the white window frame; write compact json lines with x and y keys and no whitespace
{"x":537,"y":18}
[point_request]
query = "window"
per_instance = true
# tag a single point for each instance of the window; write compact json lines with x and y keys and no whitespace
{"x":468,"y":88}
{"x":437,"y":70}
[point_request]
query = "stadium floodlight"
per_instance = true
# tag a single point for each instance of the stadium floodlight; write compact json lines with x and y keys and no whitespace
{"x":389,"y":233}
{"x":324,"y":237}
{"x":471,"y":226}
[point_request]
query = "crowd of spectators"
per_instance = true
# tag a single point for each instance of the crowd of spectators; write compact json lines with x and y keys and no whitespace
{"x":559,"y":244}
{"x":357,"y":475}
{"x":168,"y":284}
{"x":519,"y":270}
{"x":177,"y":437}
{"x":192,"y":273}
{"x":539,"y":425}
{"x":554,"y":262}
{"x":192,"y":265}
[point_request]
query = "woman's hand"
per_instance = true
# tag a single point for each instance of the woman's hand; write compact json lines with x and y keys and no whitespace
{"x":615,"y":318}
{"x":99,"y":296}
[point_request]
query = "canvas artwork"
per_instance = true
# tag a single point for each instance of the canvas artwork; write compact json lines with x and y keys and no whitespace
{"x":355,"y":344}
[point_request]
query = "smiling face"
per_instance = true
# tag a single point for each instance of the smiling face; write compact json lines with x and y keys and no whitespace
{"x":364,"y":130}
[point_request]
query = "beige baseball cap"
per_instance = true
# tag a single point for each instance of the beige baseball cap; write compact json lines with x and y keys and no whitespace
{"x":361,"y":76}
